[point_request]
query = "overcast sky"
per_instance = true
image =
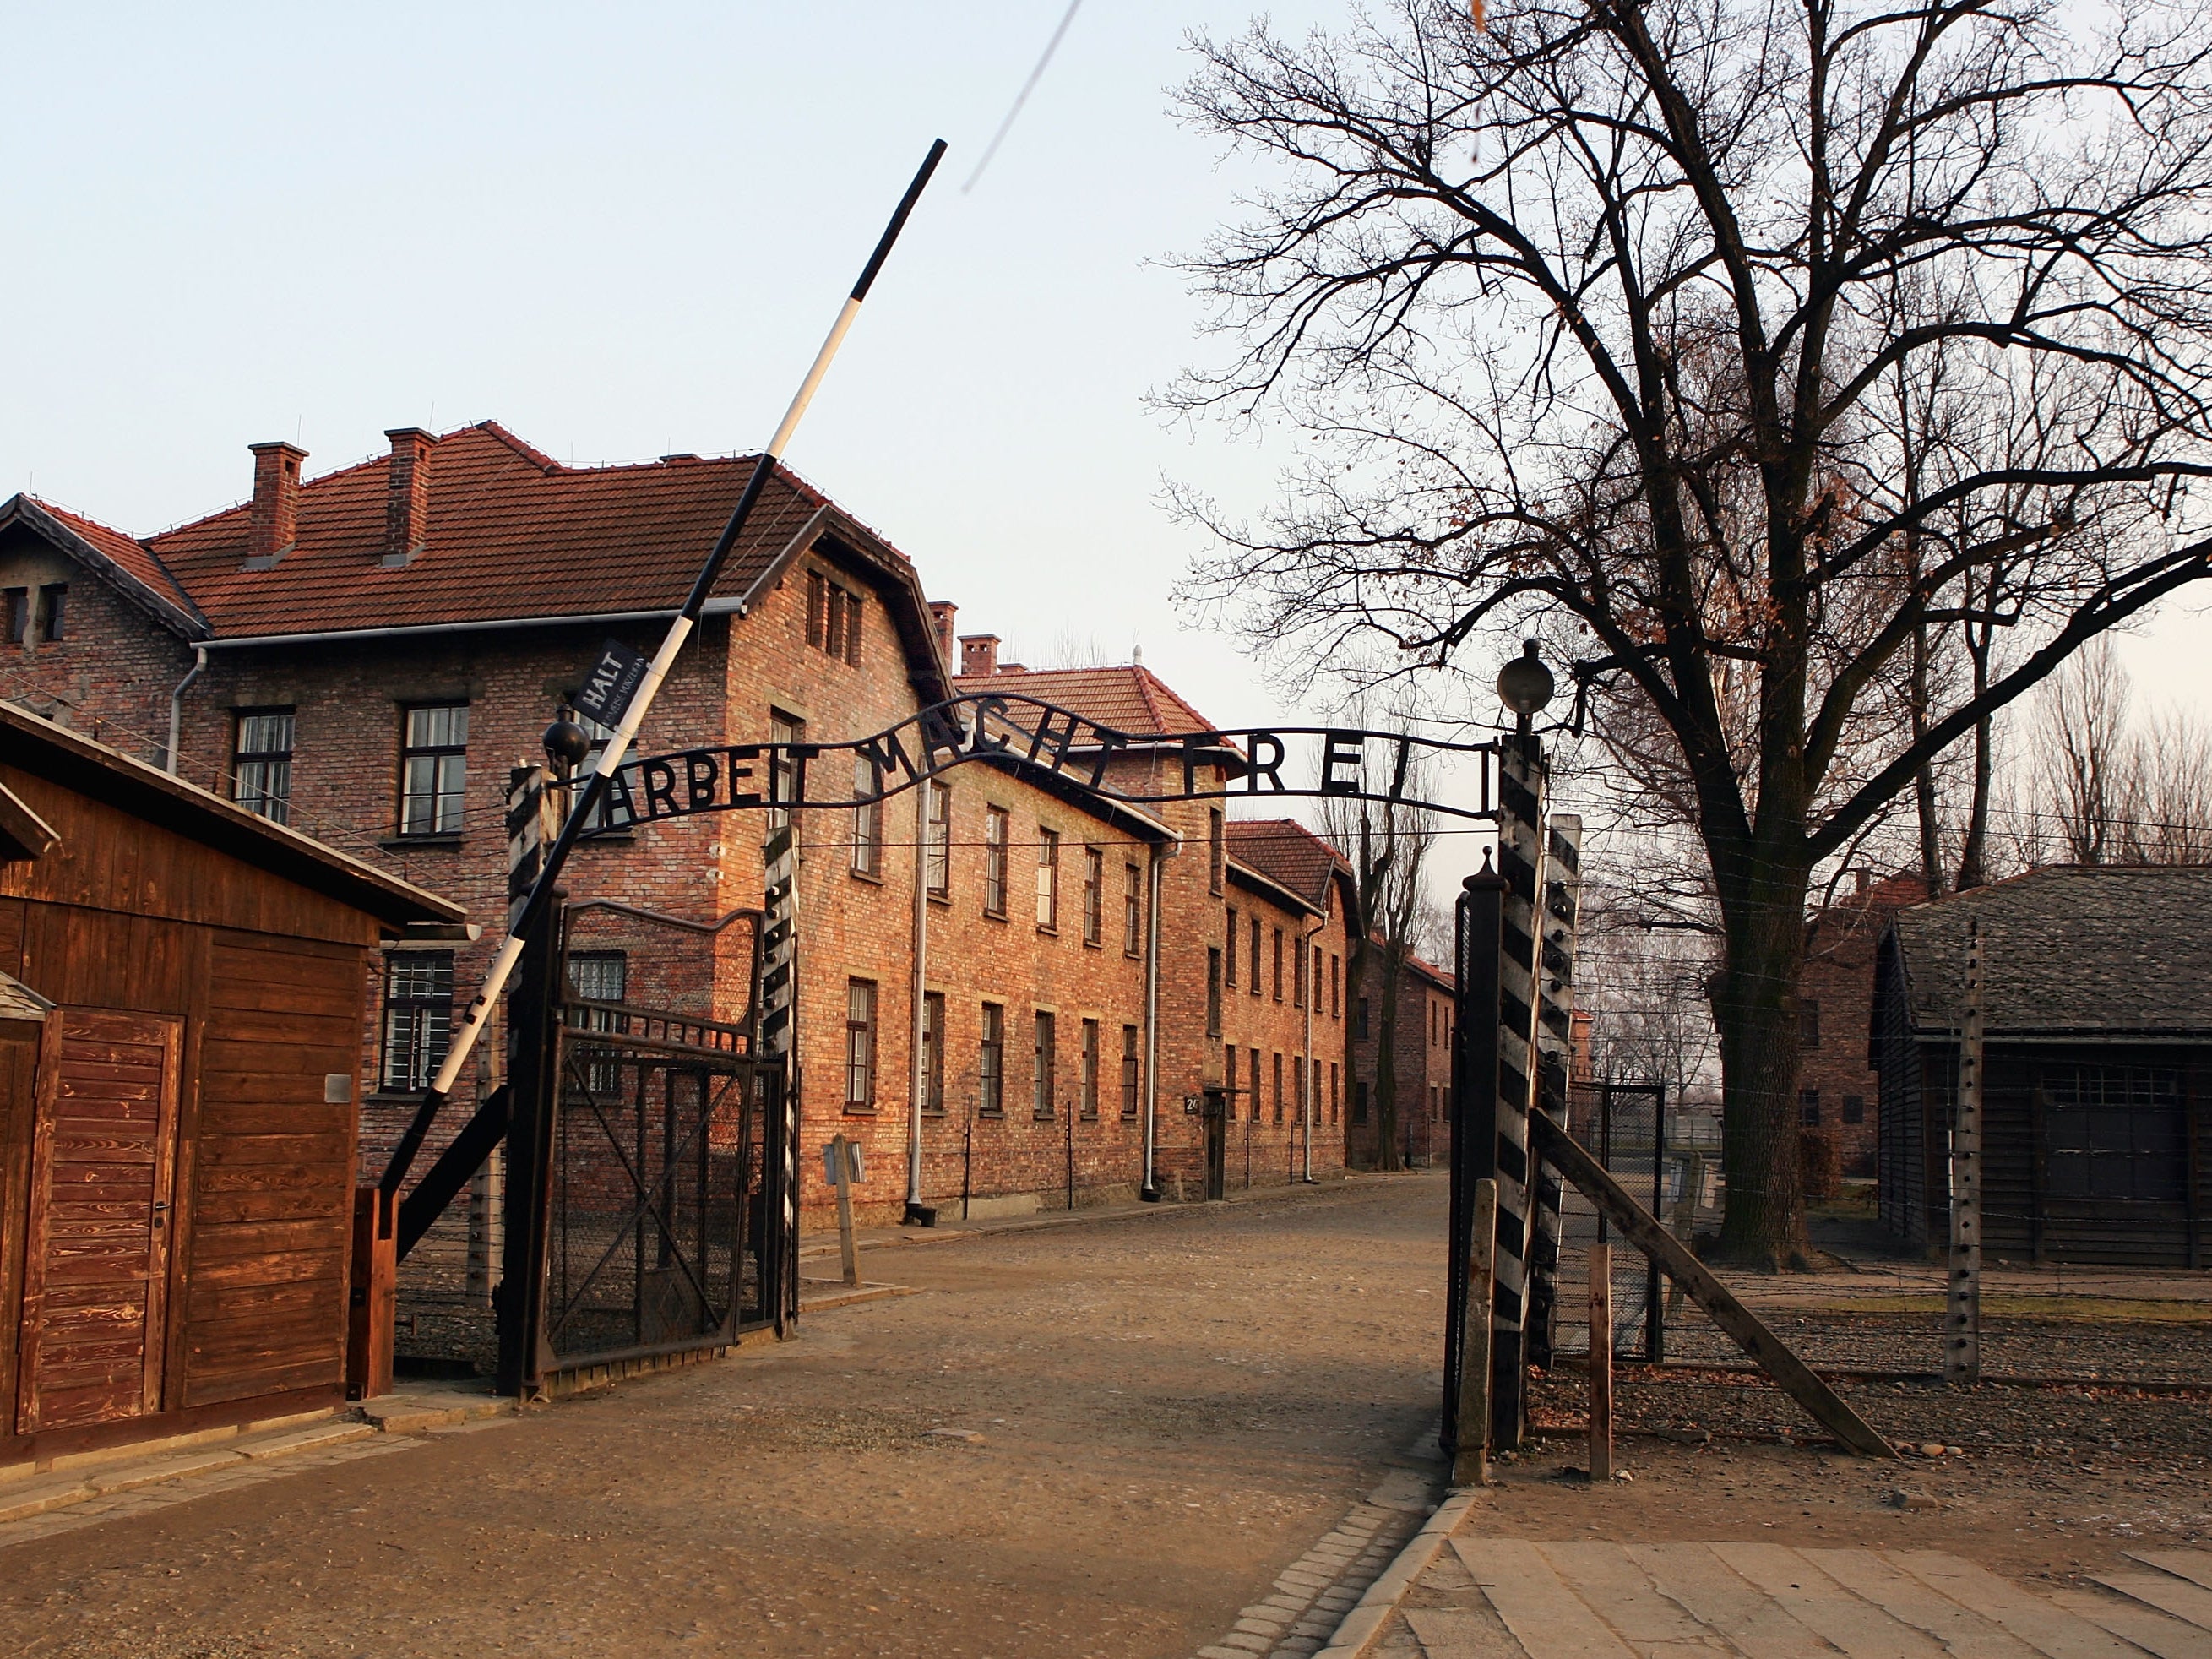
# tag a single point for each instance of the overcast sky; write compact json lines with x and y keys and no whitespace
{"x":620,"y":231}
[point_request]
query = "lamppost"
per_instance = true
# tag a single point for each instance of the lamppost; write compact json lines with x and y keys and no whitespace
{"x":1525,"y":685}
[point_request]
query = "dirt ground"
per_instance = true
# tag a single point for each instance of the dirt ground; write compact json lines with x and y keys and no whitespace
{"x":1171,"y":1407}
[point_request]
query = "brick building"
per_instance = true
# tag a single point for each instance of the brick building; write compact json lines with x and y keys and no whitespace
{"x":1253,"y":945}
{"x":1421,"y":1044}
{"x":364,"y":656}
{"x":1837,"y":1088}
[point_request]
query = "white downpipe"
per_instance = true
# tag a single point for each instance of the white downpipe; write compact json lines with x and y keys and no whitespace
{"x":915,"y":1096}
{"x":1309,"y":1094}
{"x":1152,"y":1021}
{"x":177,"y":706}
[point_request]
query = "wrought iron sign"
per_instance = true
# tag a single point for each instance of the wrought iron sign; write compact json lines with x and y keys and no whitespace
{"x":1009,"y":730}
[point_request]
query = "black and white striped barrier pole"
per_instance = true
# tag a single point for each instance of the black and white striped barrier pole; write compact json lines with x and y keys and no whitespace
{"x":587,"y":798}
{"x":1520,"y":858}
{"x":1555,"y":1040}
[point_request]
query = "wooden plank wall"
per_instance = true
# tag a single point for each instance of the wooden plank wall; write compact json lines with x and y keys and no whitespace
{"x":110,"y":860}
{"x":271,"y":1175}
{"x":269,"y":980}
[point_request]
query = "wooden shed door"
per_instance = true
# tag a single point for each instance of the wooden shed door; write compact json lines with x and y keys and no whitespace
{"x":96,"y":1265}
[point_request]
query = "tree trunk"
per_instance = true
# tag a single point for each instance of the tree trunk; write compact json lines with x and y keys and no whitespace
{"x":1924,"y":781}
{"x":1755,"y":998}
{"x":1386,"y":1065}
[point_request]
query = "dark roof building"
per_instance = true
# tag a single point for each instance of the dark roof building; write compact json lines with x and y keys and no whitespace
{"x":2098,"y":1020}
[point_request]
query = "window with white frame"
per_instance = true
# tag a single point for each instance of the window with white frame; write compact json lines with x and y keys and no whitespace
{"x":261,"y":762}
{"x":433,"y":769}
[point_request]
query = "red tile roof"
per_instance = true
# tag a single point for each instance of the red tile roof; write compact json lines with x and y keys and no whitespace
{"x":1289,"y":854}
{"x":129,"y":559}
{"x":511,"y":534}
{"x":1129,"y":698}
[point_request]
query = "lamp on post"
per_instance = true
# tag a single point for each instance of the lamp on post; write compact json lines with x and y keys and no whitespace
{"x":1525,"y":685}
{"x":567,"y":743}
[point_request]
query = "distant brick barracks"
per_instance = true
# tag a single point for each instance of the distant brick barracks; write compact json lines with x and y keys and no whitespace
{"x":365,"y":656}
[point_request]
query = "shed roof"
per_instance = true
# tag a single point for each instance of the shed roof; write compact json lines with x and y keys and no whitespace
{"x":2073,"y":949}
{"x":93,"y":769}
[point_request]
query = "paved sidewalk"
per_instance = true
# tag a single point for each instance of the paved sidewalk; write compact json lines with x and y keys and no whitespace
{"x":1457,"y":1594}
{"x":91,"y":1486}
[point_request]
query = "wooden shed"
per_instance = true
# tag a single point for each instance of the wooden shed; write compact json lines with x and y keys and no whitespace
{"x":2097,"y":1064}
{"x":180,"y":1041}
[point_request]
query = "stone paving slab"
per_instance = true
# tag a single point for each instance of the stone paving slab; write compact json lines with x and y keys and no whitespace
{"x":1502,"y":1598}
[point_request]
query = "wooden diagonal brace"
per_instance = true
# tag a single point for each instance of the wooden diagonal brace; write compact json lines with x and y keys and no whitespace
{"x":1792,"y":1375}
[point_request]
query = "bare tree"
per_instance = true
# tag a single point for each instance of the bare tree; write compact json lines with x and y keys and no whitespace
{"x":2104,"y":790}
{"x":1597,"y":317}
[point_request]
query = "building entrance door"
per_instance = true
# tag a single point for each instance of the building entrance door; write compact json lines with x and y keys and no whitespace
{"x":1215,"y":1116}
{"x":97,"y":1258}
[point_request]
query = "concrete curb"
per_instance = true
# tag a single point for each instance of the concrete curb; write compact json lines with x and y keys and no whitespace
{"x":36,"y":1497}
{"x":1363,"y":1625}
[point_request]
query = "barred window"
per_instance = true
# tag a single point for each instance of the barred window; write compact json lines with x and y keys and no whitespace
{"x":1132,"y":911}
{"x":860,"y":1045}
{"x":991,"y":1063}
{"x":1043,"y":1074}
{"x":1279,"y":1087}
{"x":1808,"y":1022}
{"x":1229,"y":955}
{"x":1255,"y":956}
{"x":1129,"y":1072}
{"x":2115,"y":1131}
{"x":1089,"y":1082}
{"x":1094,"y":895}
{"x":1212,"y":991}
{"x":1808,"y":1107}
{"x":600,"y":977}
{"x":1336,"y":987}
{"x":433,"y":768}
{"x":418,"y":1018}
{"x":932,"y":1052}
{"x":996,"y":830}
{"x":1217,"y":850}
{"x":833,"y":618}
{"x":1048,"y":879}
{"x":940,"y":838}
{"x":261,"y":764}
{"x":1229,"y":1081}
{"x":1333,"y":1081}
{"x":867,"y":819}
{"x":1278,"y":965}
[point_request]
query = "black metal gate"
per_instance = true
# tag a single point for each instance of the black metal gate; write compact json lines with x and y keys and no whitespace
{"x":648,"y":1212}
{"x":659,"y":1220}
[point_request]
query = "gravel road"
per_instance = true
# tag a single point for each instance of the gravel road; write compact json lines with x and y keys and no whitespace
{"x":1171,"y":1408}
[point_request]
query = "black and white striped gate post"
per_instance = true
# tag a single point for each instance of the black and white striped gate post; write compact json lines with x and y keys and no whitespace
{"x":778,"y":1028}
{"x":1555,"y":1036}
{"x":1465,"y":1432}
{"x":533,"y":820}
{"x":1520,"y":860}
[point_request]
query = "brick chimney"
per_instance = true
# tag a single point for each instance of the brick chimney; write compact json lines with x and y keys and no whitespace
{"x":979,"y":654}
{"x":407,"y":494}
{"x":275,"y":524}
{"x":941,"y":613}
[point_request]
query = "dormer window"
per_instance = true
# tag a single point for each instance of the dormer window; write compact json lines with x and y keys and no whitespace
{"x":833,"y":618}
